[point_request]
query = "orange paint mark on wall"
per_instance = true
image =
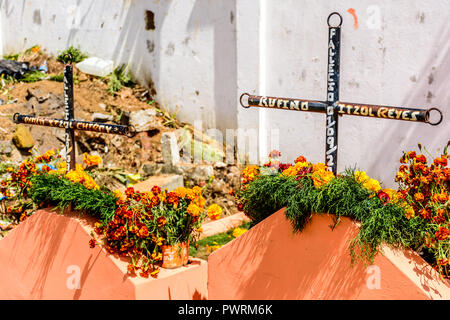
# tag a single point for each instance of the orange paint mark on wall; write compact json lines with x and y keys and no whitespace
{"x":353,"y":13}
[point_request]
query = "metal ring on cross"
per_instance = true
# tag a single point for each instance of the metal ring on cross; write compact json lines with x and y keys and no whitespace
{"x":340,"y":19}
{"x":240,"y":99}
{"x":131,"y":133}
{"x":15,"y":117}
{"x":68,"y":55}
{"x":427,"y":116}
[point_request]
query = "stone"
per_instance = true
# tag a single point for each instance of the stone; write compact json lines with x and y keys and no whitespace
{"x":22,"y":137}
{"x":5,"y":147}
{"x":101,"y":117}
{"x":143,"y":120}
{"x":169,"y":147}
{"x":201,"y":173}
{"x":219,"y":186}
{"x":152,"y":169}
{"x":220,"y":165}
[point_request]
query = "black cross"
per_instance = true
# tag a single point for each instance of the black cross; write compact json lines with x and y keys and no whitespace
{"x":69,"y":123}
{"x":333,"y":107}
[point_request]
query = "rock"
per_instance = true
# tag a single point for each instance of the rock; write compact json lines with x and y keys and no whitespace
{"x":100,"y":117}
{"x":169,"y":147}
{"x":22,"y":137}
{"x":5,"y":147}
{"x":219,"y":186}
{"x":220,"y":165}
{"x":201,"y":173}
{"x":102,"y":106}
{"x":143,"y":120}
{"x":152,"y":169}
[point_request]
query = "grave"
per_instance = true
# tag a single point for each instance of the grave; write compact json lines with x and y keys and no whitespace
{"x":48,"y":257}
{"x":271,"y":262}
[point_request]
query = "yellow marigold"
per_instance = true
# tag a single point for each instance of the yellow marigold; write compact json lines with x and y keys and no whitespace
{"x":372,"y":185}
{"x":194,"y":210}
{"x":239,"y":231}
{"x":409,"y":212}
{"x":91,"y":160}
{"x":212,"y":248}
{"x":250,"y":173}
{"x":322,"y":177}
{"x":118,"y":194}
{"x":214,"y":211}
{"x":361,"y":176}
{"x":294,"y":170}
{"x":181,"y":192}
{"x":368,"y":183}
{"x":197,"y":190}
{"x":319,"y":167}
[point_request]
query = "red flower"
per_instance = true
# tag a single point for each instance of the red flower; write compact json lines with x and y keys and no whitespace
{"x":300,"y":159}
{"x":421,"y":158}
{"x":442,"y":234}
{"x":92,"y":243}
{"x":384,"y":197}
{"x":161,"y":221}
{"x":156,"y":190}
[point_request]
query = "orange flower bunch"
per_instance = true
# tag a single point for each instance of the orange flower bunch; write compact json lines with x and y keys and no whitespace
{"x":145,"y":221}
{"x":91,"y":160}
{"x":80,"y":176}
{"x":425,"y":188}
{"x":250,"y":173}
{"x":214,"y":211}
{"x":321,"y":175}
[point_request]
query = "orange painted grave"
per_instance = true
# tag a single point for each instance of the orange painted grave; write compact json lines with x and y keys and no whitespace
{"x":271,"y":262}
{"x":48,"y":257}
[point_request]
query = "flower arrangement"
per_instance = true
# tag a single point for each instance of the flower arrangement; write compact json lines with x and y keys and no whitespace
{"x":415,"y":216}
{"x":144,"y":222}
{"x":424,"y":187}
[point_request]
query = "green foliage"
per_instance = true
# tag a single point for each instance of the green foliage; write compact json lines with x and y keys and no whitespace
{"x":57,"y":77}
{"x":342,"y":196}
{"x":118,"y":79}
{"x":14,"y":56}
{"x":76,"y":53}
{"x":60,"y":192}
{"x":33,"y":76}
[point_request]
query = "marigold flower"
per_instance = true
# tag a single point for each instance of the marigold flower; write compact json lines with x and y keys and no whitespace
{"x":161,"y":221}
{"x":421,"y":158}
{"x":156,"y":190}
{"x":239,"y":231}
{"x":155,"y":272}
{"x":91,"y":160}
{"x":118,"y":194}
{"x":193,"y":210}
{"x":92,"y":243}
{"x":442,"y":234}
{"x":214,"y":211}
{"x":274,"y":154}
{"x":409,"y":212}
{"x":322,"y":177}
{"x":419,"y":197}
{"x":300,"y":159}
{"x":250,"y":173}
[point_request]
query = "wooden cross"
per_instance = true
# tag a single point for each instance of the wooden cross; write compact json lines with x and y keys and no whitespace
{"x":69,"y":123}
{"x":332,"y":107}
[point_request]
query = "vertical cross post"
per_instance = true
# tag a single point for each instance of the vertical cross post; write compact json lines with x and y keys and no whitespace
{"x":334,"y":46}
{"x":69,"y":115}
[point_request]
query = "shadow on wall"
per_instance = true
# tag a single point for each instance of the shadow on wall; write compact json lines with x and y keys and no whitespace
{"x":220,"y":15}
{"x":431,"y":90}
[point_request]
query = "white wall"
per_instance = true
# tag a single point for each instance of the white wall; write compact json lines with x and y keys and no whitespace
{"x":204,"y":53}
{"x":405,"y":61}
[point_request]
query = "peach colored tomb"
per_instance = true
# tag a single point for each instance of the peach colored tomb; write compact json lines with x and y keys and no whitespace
{"x":48,"y":257}
{"x":271,"y":262}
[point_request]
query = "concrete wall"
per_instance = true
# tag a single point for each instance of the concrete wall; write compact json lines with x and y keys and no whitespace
{"x":203,"y":54}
